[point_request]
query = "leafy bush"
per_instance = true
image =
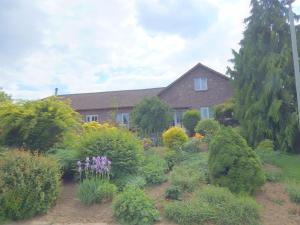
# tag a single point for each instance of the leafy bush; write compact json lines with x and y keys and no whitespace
{"x":173,"y":192}
{"x":186,"y":177}
{"x":147,"y":143}
{"x":293,"y":190}
{"x":29,"y":184}
{"x":208,"y":128}
{"x":136,"y":180}
{"x":171,"y":156}
{"x":154,"y":169}
{"x":134,"y":207}
{"x":214,"y":205}
{"x":174,"y":138}
{"x":265,"y":145}
{"x":94,"y":190}
{"x":119,"y":145}
{"x":225,"y":113}
{"x":233,"y":164}
{"x":37,"y":125}
{"x":193,"y":145}
{"x":190,"y":119}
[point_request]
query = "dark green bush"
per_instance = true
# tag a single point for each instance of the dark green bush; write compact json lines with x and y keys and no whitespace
{"x":208,"y":128}
{"x":134,"y":207}
{"x":136,"y":180}
{"x":154,"y":169}
{"x":173,"y":192}
{"x":29,"y":184}
{"x":233,"y":164}
{"x":186,"y":177}
{"x":190,"y":119}
{"x":214,"y":205}
{"x":123,"y":149}
{"x":193,"y":145}
{"x":94,"y":190}
{"x":293,"y":190}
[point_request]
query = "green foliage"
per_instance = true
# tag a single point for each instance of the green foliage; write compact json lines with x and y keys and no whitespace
{"x":233,"y":164}
{"x":151,"y":115}
{"x":174,"y":138}
{"x":263,"y":77}
{"x":190,"y":119}
{"x":154,"y":169}
{"x":134,"y":207}
{"x":123,"y":149}
{"x":265,"y":145}
{"x":293,"y":190}
{"x":37,"y":125}
{"x":214,"y":205}
{"x":173,"y":192}
{"x":208,"y":128}
{"x":94,"y":190}
{"x":224,"y":113}
{"x":171,"y":156}
{"x":273,"y":176}
{"x":4,"y":98}
{"x":29,"y":184}
{"x":136,"y":180}
{"x":192,"y":145}
{"x":186,"y":177}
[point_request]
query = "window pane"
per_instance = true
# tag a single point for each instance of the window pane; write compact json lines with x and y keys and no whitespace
{"x":125,"y":118}
{"x":203,"y":83}
{"x":119,"y":118}
{"x":204,"y":113}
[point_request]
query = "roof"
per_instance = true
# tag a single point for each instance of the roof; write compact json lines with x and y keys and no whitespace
{"x":110,"y":99}
{"x":191,"y":70}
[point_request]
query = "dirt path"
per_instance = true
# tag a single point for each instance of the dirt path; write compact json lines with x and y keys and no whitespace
{"x":277,"y":209}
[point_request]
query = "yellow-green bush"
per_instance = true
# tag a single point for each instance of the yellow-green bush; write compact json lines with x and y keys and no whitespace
{"x":29,"y":184}
{"x":174,"y":138}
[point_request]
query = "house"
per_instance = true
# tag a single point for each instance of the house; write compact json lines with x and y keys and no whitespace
{"x":200,"y":88}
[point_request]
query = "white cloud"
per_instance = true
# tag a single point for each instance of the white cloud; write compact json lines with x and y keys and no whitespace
{"x":99,"y":45}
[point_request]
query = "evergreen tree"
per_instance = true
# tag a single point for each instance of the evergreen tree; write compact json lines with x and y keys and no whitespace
{"x":263,"y":77}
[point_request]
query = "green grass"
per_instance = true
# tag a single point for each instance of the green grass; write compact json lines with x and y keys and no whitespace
{"x":290,"y":164}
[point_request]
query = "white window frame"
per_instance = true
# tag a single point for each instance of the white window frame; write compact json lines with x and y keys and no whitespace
{"x":200,"y":84}
{"x":204,"y":111}
{"x":122,"y":116}
{"x":92,"y":117}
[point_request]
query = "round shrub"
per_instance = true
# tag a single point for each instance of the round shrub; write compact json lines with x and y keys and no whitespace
{"x":173,"y":192}
{"x":174,"y":138}
{"x":154,"y":169}
{"x":124,"y":150}
{"x":94,"y":190}
{"x":29,"y":184}
{"x":133,"y":206}
{"x":233,"y":164}
{"x":208,"y":128}
{"x":265,"y":145}
{"x":190,"y":119}
{"x":193,"y":145}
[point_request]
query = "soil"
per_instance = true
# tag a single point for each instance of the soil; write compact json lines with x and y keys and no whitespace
{"x":277,"y":209}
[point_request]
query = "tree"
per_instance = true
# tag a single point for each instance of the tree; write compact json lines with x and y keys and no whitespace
{"x":4,"y":98}
{"x":263,"y":77}
{"x":151,"y":115}
{"x":36,"y":125}
{"x":190,"y":119}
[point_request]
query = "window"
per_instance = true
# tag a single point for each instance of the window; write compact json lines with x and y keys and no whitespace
{"x":89,"y":118}
{"x":177,"y":118}
{"x":206,"y":113}
{"x":200,"y":84}
{"x":122,"y":118}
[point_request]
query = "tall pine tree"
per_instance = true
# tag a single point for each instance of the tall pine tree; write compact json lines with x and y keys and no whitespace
{"x":263,"y":77}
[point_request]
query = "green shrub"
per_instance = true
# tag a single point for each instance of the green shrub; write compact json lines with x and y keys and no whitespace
{"x":233,"y":164}
{"x":135,"y":180}
{"x":171,"y":156}
{"x":154,"y":169}
{"x":193,"y":145}
{"x":174,"y":138}
{"x":265,"y":145}
{"x":123,"y":149}
{"x":190,"y":119}
{"x":208,"y":128}
{"x":225,"y":113}
{"x":94,"y":190}
{"x":134,"y":207}
{"x":293,"y":190}
{"x":274,"y":176}
{"x":173,"y":192}
{"x":29,"y":184}
{"x":214,"y":205}
{"x":186,"y":177}
{"x":242,"y":210}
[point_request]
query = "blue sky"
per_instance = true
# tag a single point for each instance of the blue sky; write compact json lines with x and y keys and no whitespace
{"x":100,"y":45}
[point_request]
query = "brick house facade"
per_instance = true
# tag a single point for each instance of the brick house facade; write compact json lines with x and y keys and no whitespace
{"x":199,"y":88}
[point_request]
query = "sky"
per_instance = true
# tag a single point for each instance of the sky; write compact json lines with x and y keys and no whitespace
{"x":99,"y":45}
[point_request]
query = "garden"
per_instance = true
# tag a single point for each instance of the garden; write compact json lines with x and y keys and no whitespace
{"x":56,"y":169}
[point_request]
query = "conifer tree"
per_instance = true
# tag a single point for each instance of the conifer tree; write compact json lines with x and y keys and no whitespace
{"x":263,"y":77}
